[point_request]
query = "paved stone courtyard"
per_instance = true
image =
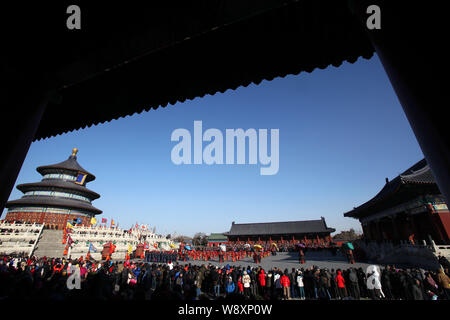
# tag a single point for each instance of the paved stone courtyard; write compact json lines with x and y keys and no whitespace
{"x":289,"y":260}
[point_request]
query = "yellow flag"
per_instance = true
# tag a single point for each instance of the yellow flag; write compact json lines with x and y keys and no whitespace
{"x":129,"y":249}
{"x":93,"y":220}
{"x":69,"y":225}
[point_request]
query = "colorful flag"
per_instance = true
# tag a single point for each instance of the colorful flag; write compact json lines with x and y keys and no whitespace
{"x":93,"y":220}
{"x":69,"y":240}
{"x":146,"y":246}
{"x":104,"y":220}
{"x":79,"y":221}
{"x":129,"y":249}
{"x":112,"y":223}
{"x":80,"y":178}
{"x":69,"y":225}
{"x":92,"y":248}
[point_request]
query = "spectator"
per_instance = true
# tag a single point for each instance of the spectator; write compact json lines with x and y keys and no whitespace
{"x":262,"y":282}
{"x":301,"y":289}
{"x":230,"y":286}
{"x":444,"y":283}
{"x":353,"y":284}
{"x":340,"y":285}
{"x":416,"y":291}
{"x":45,"y":278}
{"x":285,"y":282}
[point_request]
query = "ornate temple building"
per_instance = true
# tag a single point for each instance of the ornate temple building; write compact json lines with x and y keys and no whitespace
{"x":410,"y":207}
{"x":37,"y":223}
{"x":60,"y":196}
{"x":309,"y":232}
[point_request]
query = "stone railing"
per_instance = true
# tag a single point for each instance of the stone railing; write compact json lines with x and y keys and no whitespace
{"x":406,"y":254}
{"x":6,"y":225}
{"x":37,"y":239}
{"x":443,"y":249}
{"x":98,"y":236}
{"x":16,"y":237}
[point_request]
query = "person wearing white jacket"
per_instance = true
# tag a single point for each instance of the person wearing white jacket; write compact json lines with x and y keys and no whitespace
{"x":300,"y":285}
{"x":374,"y":283}
{"x":246,"y":280}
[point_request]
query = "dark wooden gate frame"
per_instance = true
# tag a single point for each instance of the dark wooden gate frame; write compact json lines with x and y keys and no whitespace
{"x":413,"y":63}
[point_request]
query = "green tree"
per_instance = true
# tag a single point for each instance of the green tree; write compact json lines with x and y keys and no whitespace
{"x":347,"y":235}
{"x":199,"y":239}
{"x":181,"y":238}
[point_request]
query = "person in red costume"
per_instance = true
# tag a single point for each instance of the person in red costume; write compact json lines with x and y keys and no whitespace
{"x":340,"y":281}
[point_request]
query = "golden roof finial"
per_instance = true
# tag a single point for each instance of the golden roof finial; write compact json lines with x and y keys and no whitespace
{"x":74,"y":152}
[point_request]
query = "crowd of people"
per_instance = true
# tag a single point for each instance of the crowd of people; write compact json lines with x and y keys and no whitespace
{"x":43,"y":278}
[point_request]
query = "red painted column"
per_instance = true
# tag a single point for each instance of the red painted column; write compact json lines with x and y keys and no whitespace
{"x":444,"y":219}
{"x":437,"y":236}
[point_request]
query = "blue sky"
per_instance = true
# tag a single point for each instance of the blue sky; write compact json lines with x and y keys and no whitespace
{"x":341,"y":132}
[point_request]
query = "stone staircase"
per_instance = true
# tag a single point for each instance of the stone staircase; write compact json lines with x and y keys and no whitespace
{"x":50,"y":244}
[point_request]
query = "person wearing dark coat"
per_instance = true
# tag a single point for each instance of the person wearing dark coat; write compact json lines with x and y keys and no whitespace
{"x":214,"y":275}
{"x":404,"y":281}
{"x":293,"y":284}
{"x":353,"y":284}
{"x":309,"y":284}
{"x":362,"y":283}
{"x":416,"y":291}
{"x":386,"y":283}
{"x":323,"y":292}
{"x":396,"y":285}
{"x":333,"y":292}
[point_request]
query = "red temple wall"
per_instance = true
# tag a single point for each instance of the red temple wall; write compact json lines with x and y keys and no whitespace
{"x":48,"y":218}
{"x":216,"y":243}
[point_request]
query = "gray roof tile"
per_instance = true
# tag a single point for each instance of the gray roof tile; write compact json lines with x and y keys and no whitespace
{"x":288,"y":227}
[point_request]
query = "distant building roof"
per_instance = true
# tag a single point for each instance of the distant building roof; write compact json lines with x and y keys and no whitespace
{"x":288,"y":227}
{"x":417,"y":176}
{"x":216,"y":236}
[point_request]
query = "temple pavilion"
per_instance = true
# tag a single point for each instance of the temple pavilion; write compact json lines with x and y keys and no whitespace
{"x":307,"y":231}
{"x":60,"y":196}
{"x":409,"y":207}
